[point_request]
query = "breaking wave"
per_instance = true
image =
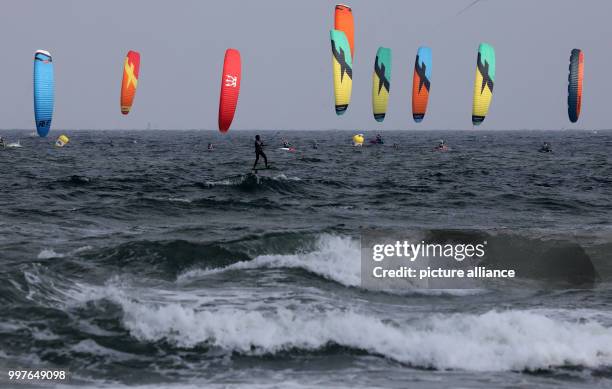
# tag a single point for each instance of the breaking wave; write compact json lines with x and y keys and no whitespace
{"x":516,"y":340}
{"x":335,"y":257}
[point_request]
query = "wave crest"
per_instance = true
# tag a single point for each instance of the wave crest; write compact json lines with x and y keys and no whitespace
{"x":493,"y":341}
{"x":334,"y":257}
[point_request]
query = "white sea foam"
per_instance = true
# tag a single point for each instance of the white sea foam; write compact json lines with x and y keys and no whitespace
{"x":81,"y":249}
{"x":45,"y":334}
{"x":89,"y":346}
{"x":283,"y":177}
{"x":48,"y":254}
{"x":240,"y":180}
{"x":179,"y":200}
{"x":493,"y":341}
{"x":334,"y":257}
{"x":219,"y":183}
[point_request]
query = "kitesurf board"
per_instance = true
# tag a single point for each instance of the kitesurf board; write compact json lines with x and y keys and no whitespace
{"x":264,"y":168}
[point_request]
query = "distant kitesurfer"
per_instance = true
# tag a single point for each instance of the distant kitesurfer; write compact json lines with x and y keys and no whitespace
{"x":441,"y":146}
{"x":379,"y":139}
{"x":315,"y":145}
{"x":111,"y":144}
{"x":286,"y":144}
{"x":546,"y":148}
{"x":259,"y":145}
{"x":210,"y":147}
{"x":2,"y":142}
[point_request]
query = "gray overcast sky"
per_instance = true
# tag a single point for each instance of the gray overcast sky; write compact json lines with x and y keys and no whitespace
{"x":286,"y":61}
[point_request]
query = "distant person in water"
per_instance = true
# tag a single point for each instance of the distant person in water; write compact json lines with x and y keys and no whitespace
{"x":259,"y":145}
{"x":315,"y":145}
{"x":286,"y":144}
{"x":546,"y":148}
{"x":441,"y":146}
{"x":210,"y":146}
{"x":1,"y":141}
{"x":379,"y":139}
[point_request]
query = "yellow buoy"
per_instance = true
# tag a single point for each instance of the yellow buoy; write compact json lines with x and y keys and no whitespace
{"x":62,"y":141}
{"x":358,"y":140}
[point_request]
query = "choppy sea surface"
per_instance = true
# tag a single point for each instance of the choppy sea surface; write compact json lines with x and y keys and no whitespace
{"x":152,"y":262}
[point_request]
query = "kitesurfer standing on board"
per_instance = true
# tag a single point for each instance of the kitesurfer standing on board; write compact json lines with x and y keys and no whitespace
{"x":259,"y":151}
